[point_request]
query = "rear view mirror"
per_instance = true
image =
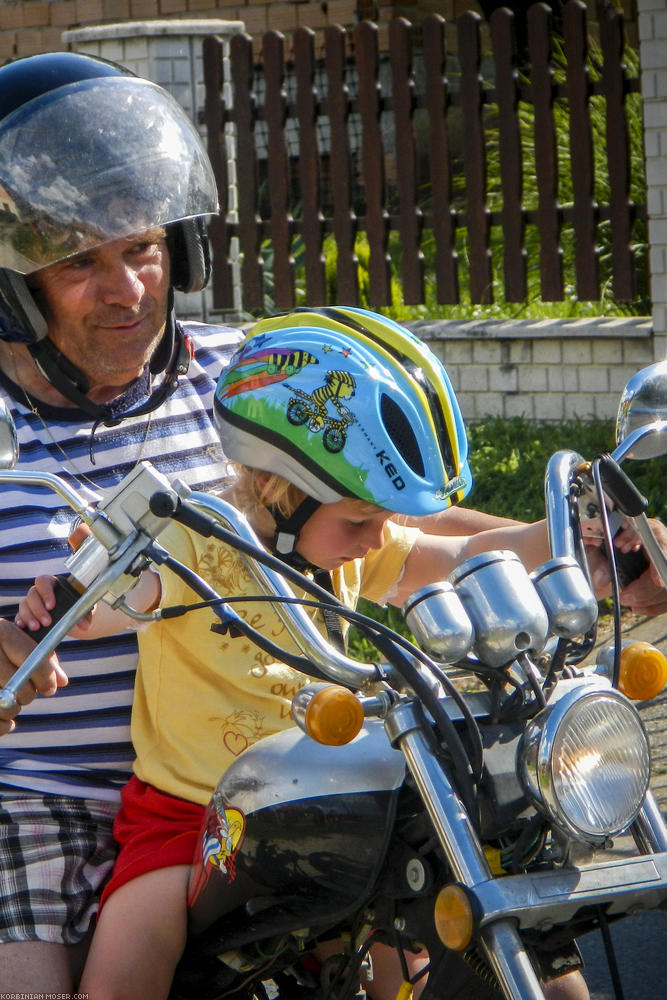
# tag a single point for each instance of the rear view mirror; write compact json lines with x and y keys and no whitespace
{"x":641,"y":424}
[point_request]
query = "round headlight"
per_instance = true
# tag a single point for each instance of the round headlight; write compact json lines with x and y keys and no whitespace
{"x":585,"y":761}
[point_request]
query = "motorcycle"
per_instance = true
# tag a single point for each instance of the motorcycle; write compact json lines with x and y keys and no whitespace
{"x":458,"y":797}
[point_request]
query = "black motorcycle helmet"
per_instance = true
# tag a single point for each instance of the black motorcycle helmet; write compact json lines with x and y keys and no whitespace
{"x":91,"y":153}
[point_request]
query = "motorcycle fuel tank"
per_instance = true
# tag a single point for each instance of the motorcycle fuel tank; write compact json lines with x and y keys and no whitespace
{"x":297,"y":831}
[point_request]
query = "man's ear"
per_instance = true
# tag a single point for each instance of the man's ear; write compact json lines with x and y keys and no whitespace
{"x":20,"y":317}
{"x":190,"y":255}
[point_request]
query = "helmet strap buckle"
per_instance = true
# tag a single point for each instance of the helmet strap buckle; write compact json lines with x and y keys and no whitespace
{"x":288,"y":528}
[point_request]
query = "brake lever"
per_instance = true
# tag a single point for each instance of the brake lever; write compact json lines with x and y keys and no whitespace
{"x":633,"y":505}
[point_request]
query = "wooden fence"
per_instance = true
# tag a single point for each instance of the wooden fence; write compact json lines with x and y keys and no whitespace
{"x":343,"y":149}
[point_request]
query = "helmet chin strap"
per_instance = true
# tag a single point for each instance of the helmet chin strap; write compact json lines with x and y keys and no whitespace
{"x":173,"y":356}
{"x":287,"y":532}
{"x":284,"y":543}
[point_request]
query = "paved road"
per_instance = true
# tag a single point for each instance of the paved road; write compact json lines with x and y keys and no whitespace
{"x":640,"y":945}
{"x":654,"y":713}
{"x":640,"y":942}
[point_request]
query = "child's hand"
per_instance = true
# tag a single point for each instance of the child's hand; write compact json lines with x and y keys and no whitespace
{"x":35,"y":608}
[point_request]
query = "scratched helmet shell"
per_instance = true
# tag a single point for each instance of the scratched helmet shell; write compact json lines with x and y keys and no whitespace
{"x":345,"y":403}
{"x":91,"y":153}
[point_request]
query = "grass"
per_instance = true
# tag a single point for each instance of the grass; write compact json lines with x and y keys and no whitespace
{"x":508,"y":459}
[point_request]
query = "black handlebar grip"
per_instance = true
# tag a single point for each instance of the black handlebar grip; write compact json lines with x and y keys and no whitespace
{"x":630,"y":566}
{"x":166,"y":504}
{"x":66,"y":595}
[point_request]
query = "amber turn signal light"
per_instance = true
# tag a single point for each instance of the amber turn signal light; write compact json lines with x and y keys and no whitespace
{"x":453,"y":917}
{"x":334,"y":716}
{"x":643,"y":672}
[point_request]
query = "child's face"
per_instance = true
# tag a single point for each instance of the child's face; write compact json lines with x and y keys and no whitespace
{"x":339,"y":532}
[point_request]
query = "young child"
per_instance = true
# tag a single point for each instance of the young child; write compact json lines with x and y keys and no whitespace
{"x":338,"y":419}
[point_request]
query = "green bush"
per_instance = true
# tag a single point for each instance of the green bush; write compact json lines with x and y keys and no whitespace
{"x":508,"y":458}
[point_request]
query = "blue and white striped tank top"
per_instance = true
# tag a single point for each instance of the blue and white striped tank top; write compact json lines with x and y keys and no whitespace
{"x":78,"y":741}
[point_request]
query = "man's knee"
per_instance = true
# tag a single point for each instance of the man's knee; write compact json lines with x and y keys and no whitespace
{"x":571,"y":986}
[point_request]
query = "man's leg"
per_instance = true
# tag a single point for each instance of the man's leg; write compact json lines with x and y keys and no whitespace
{"x":40,"y":967}
{"x":55,"y":854}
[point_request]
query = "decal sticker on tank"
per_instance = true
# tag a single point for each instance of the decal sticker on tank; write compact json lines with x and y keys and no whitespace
{"x":221,"y":837}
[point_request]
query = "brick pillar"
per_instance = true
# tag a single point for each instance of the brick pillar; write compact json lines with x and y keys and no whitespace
{"x":653,"y":62}
{"x":170,"y":54}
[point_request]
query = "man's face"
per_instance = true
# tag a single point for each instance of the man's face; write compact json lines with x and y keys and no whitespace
{"x":106,"y":308}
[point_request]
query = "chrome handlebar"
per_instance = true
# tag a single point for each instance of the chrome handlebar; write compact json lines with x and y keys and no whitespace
{"x":125,"y":528}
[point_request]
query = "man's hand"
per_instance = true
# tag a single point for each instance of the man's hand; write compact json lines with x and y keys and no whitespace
{"x":15,"y":646}
{"x":646,"y":595}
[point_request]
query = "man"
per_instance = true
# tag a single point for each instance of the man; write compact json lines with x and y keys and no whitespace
{"x":104,"y":185}
{"x":103,"y":188}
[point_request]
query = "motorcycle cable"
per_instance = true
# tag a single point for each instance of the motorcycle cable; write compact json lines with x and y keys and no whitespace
{"x":231,"y":622}
{"x":168,"y":504}
{"x":533,"y":682}
{"x":610,"y":953}
{"x":398,"y":948}
{"x":371,"y":629}
{"x":462,"y":762}
{"x":343,"y":982}
{"x":557,"y":663}
{"x":528,"y":844}
{"x":611,"y":560}
{"x":575,"y":651}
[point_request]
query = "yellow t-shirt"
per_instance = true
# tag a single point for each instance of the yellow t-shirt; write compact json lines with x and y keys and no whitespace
{"x":201,"y":698}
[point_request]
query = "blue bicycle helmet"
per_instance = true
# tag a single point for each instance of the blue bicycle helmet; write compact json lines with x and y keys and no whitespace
{"x":346,"y":403}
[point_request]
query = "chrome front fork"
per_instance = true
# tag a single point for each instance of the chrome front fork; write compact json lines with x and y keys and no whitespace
{"x":500,"y":940}
{"x":531,"y":900}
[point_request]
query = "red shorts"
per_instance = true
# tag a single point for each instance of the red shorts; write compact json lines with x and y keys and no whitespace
{"x":154,"y":830}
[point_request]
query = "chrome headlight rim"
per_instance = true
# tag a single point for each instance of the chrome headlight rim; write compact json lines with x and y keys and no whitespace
{"x":536,"y":757}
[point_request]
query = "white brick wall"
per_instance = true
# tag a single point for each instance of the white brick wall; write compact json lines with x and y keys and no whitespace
{"x":548,"y":370}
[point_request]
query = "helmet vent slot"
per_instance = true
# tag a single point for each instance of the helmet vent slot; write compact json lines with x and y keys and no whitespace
{"x":400,"y":431}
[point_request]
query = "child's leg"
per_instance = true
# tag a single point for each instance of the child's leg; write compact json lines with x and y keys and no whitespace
{"x":388,"y":972}
{"x":139,"y":938}
{"x":388,"y":978}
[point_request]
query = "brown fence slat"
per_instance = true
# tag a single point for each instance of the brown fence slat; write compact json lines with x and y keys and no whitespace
{"x":581,"y":152}
{"x":474,"y":158}
{"x":333,"y":184}
{"x":514,"y":254}
{"x":409,"y":215}
{"x":546,"y":162}
{"x":620,"y":208}
{"x":437,"y":105}
{"x":219,"y":231}
{"x":372,"y":157}
{"x":278,"y":171}
{"x":252,"y":276}
{"x":312,"y":226}
{"x":344,"y":220}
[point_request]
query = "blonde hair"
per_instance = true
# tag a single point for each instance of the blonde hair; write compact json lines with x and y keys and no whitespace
{"x":256,"y":488}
